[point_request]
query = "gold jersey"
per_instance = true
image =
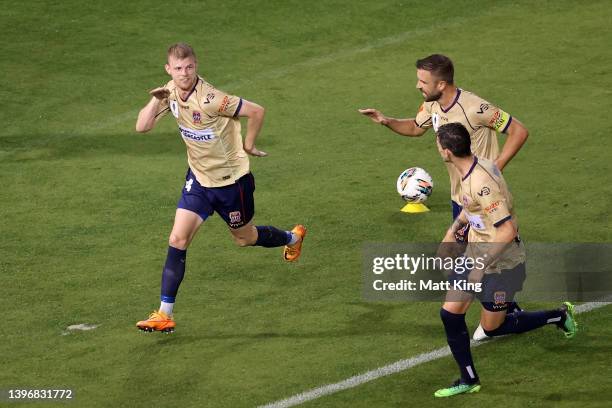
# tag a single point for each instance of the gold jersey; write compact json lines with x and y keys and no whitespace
{"x":487,"y":203}
{"x":481,"y":119}
{"x":209,"y":125}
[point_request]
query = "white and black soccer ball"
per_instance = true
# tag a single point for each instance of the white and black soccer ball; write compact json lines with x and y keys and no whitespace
{"x":414,"y":185}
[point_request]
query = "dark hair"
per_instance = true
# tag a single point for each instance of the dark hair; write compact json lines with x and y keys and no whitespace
{"x":456,"y":138}
{"x":181,"y":51}
{"x":439,"y":65}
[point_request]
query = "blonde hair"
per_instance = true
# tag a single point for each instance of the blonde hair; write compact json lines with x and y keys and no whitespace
{"x":181,"y":51}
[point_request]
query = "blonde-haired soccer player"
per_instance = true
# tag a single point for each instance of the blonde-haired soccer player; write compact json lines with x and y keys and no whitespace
{"x":218,"y":177}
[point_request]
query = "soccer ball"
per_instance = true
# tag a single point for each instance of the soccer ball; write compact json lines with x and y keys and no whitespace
{"x":414,"y":185}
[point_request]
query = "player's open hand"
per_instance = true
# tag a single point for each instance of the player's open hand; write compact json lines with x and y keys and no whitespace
{"x":373,"y":114}
{"x":253,"y":151}
{"x":160,"y":93}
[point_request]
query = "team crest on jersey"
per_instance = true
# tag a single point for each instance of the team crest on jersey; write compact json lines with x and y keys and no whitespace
{"x":197,"y":117}
{"x":235,"y":217}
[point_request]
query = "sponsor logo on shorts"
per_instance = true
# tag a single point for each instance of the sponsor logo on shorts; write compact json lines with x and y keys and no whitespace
{"x":499,"y":297}
{"x":235,"y":217}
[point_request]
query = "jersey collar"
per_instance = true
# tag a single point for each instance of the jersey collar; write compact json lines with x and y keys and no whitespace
{"x":470,"y":170}
{"x":453,"y":103}
{"x":192,"y":89}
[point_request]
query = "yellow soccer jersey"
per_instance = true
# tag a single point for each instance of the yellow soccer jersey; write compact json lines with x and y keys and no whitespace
{"x":209,"y":125}
{"x":479,"y":117}
{"x":487,"y":203}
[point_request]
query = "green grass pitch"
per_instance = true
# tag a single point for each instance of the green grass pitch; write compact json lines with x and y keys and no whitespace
{"x":86,"y":204}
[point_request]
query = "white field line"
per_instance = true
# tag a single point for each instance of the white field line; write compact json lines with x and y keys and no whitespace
{"x":393,"y":368}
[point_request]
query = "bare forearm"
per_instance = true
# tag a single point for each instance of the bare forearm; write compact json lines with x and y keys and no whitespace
{"x":404,"y":127}
{"x":254,"y":125}
{"x":517,"y":135}
{"x":146,"y":116}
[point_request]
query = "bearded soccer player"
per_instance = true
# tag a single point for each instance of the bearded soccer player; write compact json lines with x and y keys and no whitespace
{"x":446,"y":103}
{"x":493,"y":237}
{"x":218,"y":178}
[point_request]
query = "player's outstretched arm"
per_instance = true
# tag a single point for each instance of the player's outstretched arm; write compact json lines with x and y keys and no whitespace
{"x":517,"y":135}
{"x":255,"y":115}
{"x":146,"y":116}
{"x":404,"y":127}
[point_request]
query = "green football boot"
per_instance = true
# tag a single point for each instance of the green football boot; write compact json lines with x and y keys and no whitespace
{"x":458,"y":387}
{"x":568,"y":324}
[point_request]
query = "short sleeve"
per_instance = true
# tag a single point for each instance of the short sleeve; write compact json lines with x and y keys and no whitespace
{"x":493,"y":203}
{"x":217,"y":102}
{"x":492,"y":117}
{"x":423,"y":117}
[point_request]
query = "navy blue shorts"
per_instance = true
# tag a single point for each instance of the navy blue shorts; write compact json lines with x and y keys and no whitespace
{"x":498,"y":289}
{"x":234,"y":203}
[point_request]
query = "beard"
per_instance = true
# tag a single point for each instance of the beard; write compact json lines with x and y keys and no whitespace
{"x":433,"y":96}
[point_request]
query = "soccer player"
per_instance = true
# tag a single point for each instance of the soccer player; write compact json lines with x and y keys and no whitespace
{"x":493,"y":238}
{"x":446,"y":103}
{"x":218,"y":178}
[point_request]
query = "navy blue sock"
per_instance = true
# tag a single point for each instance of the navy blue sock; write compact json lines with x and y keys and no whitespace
{"x":173,"y":273}
{"x":459,"y":343}
{"x":520,"y":322}
{"x":270,"y":237}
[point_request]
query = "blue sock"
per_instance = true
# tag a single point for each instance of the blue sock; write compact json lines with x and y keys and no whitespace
{"x":270,"y":237}
{"x":521,"y":322}
{"x":459,"y":342}
{"x":173,"y":273}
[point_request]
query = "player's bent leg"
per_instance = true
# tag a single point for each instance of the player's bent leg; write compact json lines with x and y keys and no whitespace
{"x":523,"y":321}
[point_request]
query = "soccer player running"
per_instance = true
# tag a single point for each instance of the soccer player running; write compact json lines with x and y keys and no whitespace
{"x":218,"y":178}
{"x":446,"y":103}
{"x":493,"y":238}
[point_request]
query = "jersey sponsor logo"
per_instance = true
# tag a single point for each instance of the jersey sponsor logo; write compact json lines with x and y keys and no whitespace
{"x":483,"y":108}
{"x":174,"y":108}
{"x":204,"y":135}
{"x":491,"y":208}
{"x":484,"y":191}
{"x":197,"y":117}
{"x":209,"y":97}
{"x":224,"y":103}
{"x":475,"y":221}
{"x":235,"y":217}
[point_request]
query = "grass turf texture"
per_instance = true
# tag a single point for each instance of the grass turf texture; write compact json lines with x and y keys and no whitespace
{"x":87,"y":205}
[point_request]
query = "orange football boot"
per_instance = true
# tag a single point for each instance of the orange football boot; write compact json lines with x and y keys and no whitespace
{"x":157,"y":321}
{"x":292,"y":252}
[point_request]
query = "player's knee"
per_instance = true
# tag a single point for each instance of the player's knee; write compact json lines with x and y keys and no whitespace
{"x":178,"y":242}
